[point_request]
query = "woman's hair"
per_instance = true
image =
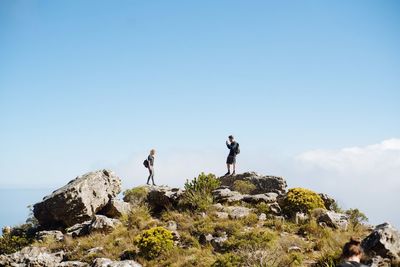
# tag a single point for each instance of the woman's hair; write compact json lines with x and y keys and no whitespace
{"x":352,"y":248}
{"x":152,"y":151}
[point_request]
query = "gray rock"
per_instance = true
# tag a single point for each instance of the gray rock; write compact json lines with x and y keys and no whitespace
{"x":55,"y":235}
{"x":104,"y":262}
{"x":221,"y":215}
{"x":115,"y":208}
{"x":218,"y":242}
{"x":267,"y":198}
{"x":264,"y":184}
{"x":72,"y":264}
{"x":32,"y":256}
{"x":99,"y":224}
{"x":95,"y":250}
{"x":329,"y":202}
{"x":334,"y":220}
{"x":237,"y":212}
{"x":262,"y":217}
{"x":378,"y":261}
{"x":172,"y":226}
{"x":163,"y":197}
{"x":205,"y":238}
{"x":301,"y":218}
{"x":294,"y":249}
{"x":274,"y":208}
{"x":223,"y":195}
{"x":384,"y":241}
{"x":78,"y":201}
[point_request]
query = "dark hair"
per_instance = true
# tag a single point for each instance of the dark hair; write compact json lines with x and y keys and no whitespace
{"x":352,"y":248}
{"x":230,"y":137}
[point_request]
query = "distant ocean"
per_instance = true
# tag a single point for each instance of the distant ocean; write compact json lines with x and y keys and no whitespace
{"x":14,"y":204}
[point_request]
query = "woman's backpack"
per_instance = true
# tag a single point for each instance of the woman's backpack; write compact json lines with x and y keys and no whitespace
{"x":146,"y":163}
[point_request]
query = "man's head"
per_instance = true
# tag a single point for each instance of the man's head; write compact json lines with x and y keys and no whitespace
{"x":231,"y":138}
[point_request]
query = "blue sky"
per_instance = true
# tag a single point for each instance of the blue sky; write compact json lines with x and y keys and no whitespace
{"x":96,"y":84}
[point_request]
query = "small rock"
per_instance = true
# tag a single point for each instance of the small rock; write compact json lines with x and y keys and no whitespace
{"x":221,"y":215}
{"x":237,"y":212}
{"x":104,"y":262}
{"x":73,"y":264}
{"x":378,"y":261}
{"x":99,"y":223}
{"x":55,"y":235}
{"x":262,"y":217}
{"x":301,"y":218}
{"x":94,"y":250}
{"x":172,"y":226}
{"x":294,"y":249}
{"x":205,"y":238}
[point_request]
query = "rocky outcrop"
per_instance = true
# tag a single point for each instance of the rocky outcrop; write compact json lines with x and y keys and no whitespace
{"x":329,"y":202}
{"x":78,"y":201}
{"x":99,"y":224}
{"x":32,"y":256}
{"x":163,"y":197}
{"x":225,"y":195}
{"x":55,"y":235}
{"x":115,"y":208}
{"x":334,"y":220}
{"x":255,"y":199}
{"x":263,"y":184}
{"x":104,"y":262}
{"x":384,"y":241}
{"x":237,"y":212}
{"x":73,"y":264}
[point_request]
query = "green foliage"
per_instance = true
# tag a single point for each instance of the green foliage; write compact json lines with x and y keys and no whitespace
{"x":198,"y":192}
{"x":244,"y":187}
{"x":138,"y":218}
{"x":153,"y":242}
{"x":301,"y":200}
{"x":227,"y":260}
{"x":11,"y":242}
{"x":136,"y":195}
{"x":262,"y":207}
{"x":356,"y":217}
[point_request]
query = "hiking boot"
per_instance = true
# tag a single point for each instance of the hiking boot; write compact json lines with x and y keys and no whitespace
{"x":228,"y":173}
{"x":233,"y":173}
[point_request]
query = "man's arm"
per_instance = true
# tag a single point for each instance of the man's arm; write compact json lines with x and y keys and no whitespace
{"x":228,"y":145}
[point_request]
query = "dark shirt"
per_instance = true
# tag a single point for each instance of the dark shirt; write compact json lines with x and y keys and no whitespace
{"x":150,"y":159}
{"x":351,"y":264}
{"x":232,"y":148}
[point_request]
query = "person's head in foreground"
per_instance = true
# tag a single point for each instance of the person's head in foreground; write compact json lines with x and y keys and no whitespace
{"x":352,"y":253}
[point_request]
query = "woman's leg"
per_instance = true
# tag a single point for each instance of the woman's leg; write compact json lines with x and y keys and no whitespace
{"x":150,"y":176}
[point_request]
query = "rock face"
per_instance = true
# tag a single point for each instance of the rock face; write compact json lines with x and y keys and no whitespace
{"x":104,"y":262}
{"x":237,"y":212}
{"x":32,"y":256}
{"x":264,"y":184}
{"x":163,"y":197}
{"x":223,"y":195}
{"x":329,"y":202}
{"x":78,"y":201}
{"x":334,"y":220}
{"x":384,"y":241}
{"x":99,"y":224}
{"x":115,"y":208}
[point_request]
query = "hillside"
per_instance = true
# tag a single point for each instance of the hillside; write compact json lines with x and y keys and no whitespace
{"x":242,"y":220}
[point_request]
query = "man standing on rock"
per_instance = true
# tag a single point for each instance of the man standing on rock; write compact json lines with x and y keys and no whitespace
{"x":233,"y":147}
{"x":149,"y":164}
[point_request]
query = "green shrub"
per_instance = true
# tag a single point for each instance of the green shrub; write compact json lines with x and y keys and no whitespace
{"x":244,"y":187}
{"x":227,"y":260}
{"x":301,"y":200}
{"x":198,"y":192}
{"x":356,"y":217}
{"x":262,"y":207}
{"x":138,"y":218}
{"x":153,"y":242}
{"x":10,"y":242}
{"x":136,"y":195}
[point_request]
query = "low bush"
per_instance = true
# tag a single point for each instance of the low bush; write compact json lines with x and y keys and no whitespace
{"x":11,"y":243}
{"x":136,"y":195}
{"x":198,"y":192}
{"x":227,"y":260}
{"x":301,"y":200}
{"x":356,"y":217}
{"x":153,"y":242}
{"x":244,"y":187}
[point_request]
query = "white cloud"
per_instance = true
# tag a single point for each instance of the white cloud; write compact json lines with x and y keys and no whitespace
{"x":365,"y":177}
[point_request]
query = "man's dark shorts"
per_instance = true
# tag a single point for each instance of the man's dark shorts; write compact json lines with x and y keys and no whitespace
{"x":231,"y":159}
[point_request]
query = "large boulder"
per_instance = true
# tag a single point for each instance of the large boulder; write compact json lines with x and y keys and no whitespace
{"x":384,"y":241}
{"x":267,"y":198}
{"x":53,"y":235}
{"x":263,"y":183}
{"x":99,"y":224}
{"x":163,"y":197}
{"x":225,"y":195}
{"x":32,"y":256}
{"x":334,"y":220}
{"x":78,"y":201}
{"x":237,"y":212}
{"x":115,"y":208}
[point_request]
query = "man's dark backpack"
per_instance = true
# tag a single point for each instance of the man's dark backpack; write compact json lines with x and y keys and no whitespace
{"x":146,"y":163}
{"x":237,"y":149}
